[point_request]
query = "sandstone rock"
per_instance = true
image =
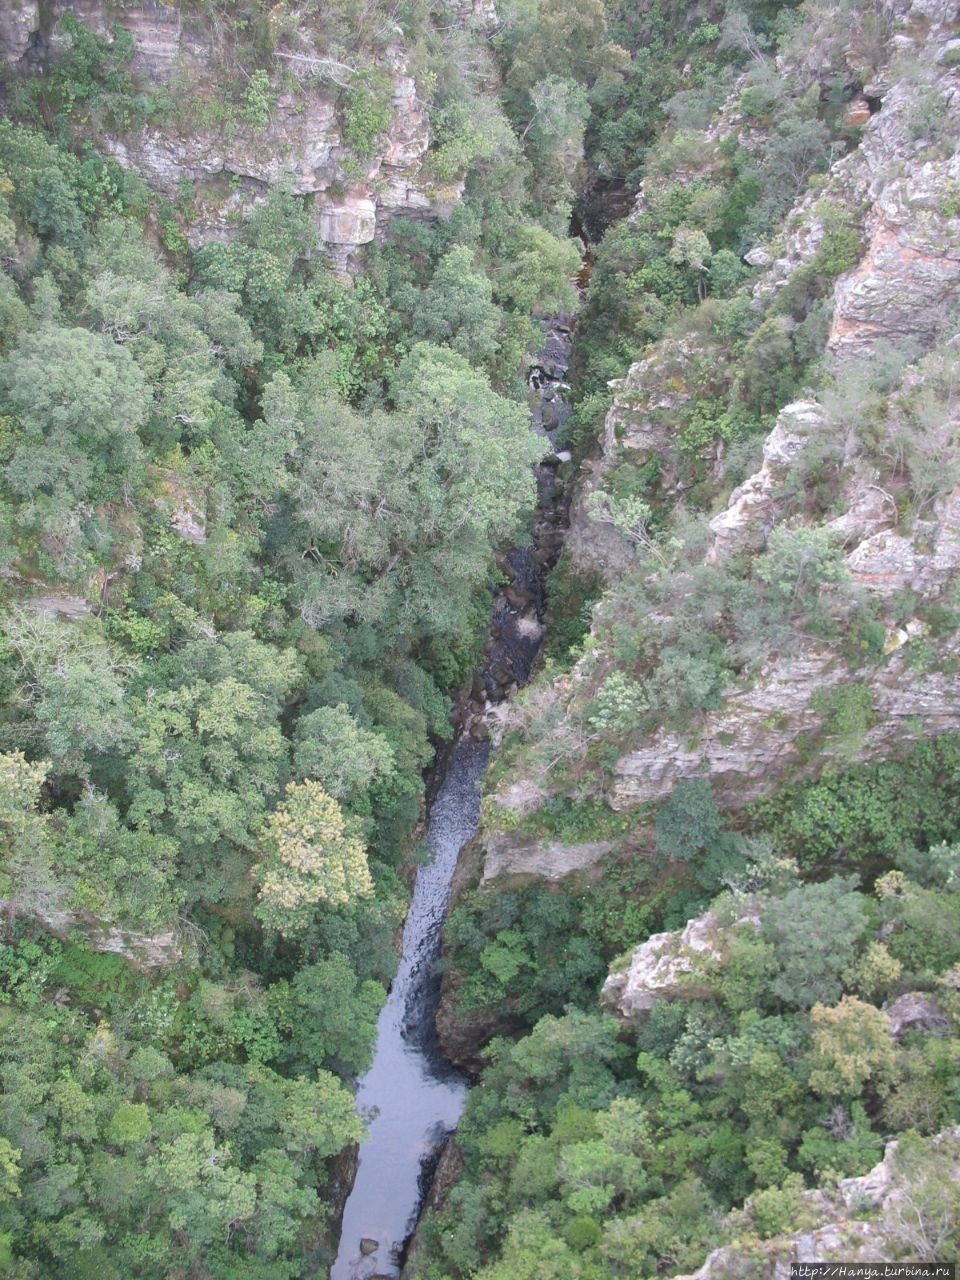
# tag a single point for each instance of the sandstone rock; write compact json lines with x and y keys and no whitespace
{"x":149,"y":950}
{"x":233,"y":169}
{"x":747,"y":745}
{"x":190,"y":524}
{"x":856,"y":114}
{"x":19,"y":19}
{"x":505,"y":855}
{"x":915,"y":1011}
{"x":754,"y":506}
{"x":479,"y":13}
{"x":590,"y":545}
{"x":73,"y":608}
{"x":352,"y":222}
{"x":670,"y":966}
{"x":925,"y":562}
{"x":869,"y":510}
{"x":758,"y":256}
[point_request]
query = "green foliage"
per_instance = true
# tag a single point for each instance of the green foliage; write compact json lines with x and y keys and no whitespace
{"x":689,"y":822}
{"x":870,"y":811}
{"x":519,"y":953}
{"x":78,"y":400}
{"x":89,"y":79}
{"x":366,"y":112}
{"x":815,"y":930}
{"x":257,"y":531}
{"x":848,"y":715}
{"x":312,"y":856}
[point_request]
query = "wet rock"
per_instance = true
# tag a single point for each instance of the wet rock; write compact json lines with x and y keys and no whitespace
{"x":368,"y":1246}
{"x":518,"y":597}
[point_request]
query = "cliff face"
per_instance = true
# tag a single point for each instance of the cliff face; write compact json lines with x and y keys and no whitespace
{"x":298,"y":137}
{"x":892,"y":520}
{"x":892,"y":1213}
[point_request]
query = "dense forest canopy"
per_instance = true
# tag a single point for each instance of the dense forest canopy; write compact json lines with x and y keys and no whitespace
{"x":249,"y":511}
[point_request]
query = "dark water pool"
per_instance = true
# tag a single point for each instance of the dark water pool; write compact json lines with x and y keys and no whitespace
{"x":413,"y":1096}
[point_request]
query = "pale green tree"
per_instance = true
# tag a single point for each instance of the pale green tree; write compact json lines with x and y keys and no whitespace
{"x":312,"y":856}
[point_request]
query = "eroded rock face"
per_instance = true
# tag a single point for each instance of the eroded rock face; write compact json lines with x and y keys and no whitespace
{"x":911,"y":271}
{"x":19,"y":19}
{"x":746,"y":747}
{"x":232,"y":167}
{"x":682,"y":964}
{"x":754,"y":506}
{"x":871,"y":1219}
{"x":505,"y":855}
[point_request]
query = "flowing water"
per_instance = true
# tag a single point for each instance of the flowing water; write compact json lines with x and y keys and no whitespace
{"x":416,"y":1095}
{"x":411,"y":1096}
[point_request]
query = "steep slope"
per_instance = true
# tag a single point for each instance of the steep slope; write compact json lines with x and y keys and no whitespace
{"x":852,"y":510}
{"x":230,"y":106}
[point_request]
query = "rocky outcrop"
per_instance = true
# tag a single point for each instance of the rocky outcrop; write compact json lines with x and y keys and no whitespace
{"x":505,"y":854}
{"x":146,"y":950}
{"x":19,"y":19}
{"x":895,"y":1211}
{"x":679,"y":965}
{"x":232,"y":165}
{"x":915,"y":1011}
{"x":746,"y":747}
{"x":638,"y":426}
{"x":755,"y":506}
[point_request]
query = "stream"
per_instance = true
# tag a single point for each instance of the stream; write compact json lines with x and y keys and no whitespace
{"x":411,"y":1096}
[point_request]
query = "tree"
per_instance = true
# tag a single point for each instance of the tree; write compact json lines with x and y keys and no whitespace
{"x":28,"y":882}
{"x":312,"y":855}
{"x":799,"y":562}
{"x":534,"y":1251}
{"x":73,"y":682}
{"x":78,"y":399}
{"x":402,"y":511}
{"x":538,"y":270}
{"x":816,"y":931}
{"x":207,"y":761}
{"x":331,"y":747}
{"x":688,"y":823}
{"x":329,"y":1017}
{"x":457,"y":307}
{"x":852,"y":1046}
{"x":207,"y":1196}
{"x":923,"y":1213}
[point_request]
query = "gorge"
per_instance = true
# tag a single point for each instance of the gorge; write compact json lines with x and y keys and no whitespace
{"x":280,"y":284}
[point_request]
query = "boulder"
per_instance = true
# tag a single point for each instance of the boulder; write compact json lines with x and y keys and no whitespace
{"x":915,"y":1011}
{"x":682,"y":964}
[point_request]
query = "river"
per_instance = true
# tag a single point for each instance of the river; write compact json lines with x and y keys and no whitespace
{"x":411,"y":1096}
